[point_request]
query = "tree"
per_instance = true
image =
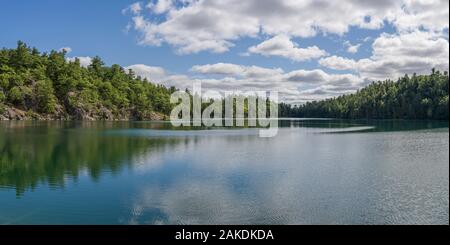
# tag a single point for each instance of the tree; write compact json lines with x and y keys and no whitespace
{"x":416,"y":97}
{"x":42,"y":82}
{"x":46,"y":100}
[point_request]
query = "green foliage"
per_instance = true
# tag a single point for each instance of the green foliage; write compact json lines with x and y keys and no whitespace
{"x":19,"y":95}
{"x":416,"y":97}
{"x":2,"y":96}
{"x":46,"y":100}
{"x":41,"y":83}
{"x":2,"y":101}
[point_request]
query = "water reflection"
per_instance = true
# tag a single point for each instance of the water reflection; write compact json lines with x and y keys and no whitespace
{"x":145,"y":173}
{"x":349,"y":179}
{"x":53,"y":153}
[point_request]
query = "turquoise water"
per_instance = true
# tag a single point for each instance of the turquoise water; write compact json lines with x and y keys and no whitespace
{"x":312,"y":172}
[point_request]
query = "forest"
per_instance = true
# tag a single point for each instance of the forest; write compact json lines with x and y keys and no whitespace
{"x":46,"y":86}
{"x":415,"y":97}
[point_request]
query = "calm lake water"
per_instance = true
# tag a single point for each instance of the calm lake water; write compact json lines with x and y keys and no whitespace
{"x":313,"y":172}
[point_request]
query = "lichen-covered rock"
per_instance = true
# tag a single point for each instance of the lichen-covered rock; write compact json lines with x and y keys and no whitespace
{"x":155,"y":116}
{"x":15,"y":114}
{"x":105,"y":114}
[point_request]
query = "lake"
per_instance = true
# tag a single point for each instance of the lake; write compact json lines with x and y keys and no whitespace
{"x":312,"y":172}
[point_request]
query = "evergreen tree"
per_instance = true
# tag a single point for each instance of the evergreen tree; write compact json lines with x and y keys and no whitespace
{"x":416,"y":97}
{"x":49,"y":83}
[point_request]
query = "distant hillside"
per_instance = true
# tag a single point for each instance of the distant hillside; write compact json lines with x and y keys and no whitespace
{"x":415,"y":97}
{"x":46,"y":86}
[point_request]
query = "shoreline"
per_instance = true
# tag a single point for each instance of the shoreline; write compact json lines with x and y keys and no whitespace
{"x":14,"y":114}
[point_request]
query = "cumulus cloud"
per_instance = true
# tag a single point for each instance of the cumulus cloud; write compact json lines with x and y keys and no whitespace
{"x":282,"y":46}
{"x":397,"y":54}
{"x":338,"y":63}
{"x":233,"y":77}
{"x":152,"y":73}
{"x":418,"y":42}
{"x":431,"y":15}
{"x":236,"y":70}
{"x":205,"y":25}
{"x":159,"y":75}
{"x":319,"y":77}
{"x":85,"y":61}
{"x":393,"y":56}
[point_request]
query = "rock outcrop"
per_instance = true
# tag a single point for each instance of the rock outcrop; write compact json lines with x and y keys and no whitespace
{"x":78,"y":114}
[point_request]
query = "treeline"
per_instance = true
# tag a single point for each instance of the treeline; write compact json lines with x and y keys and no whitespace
{"x":415,"y":97}
{"x":36,"y":85}
{"x":47,"y":86}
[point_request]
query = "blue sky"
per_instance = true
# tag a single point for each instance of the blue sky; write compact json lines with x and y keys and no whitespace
{"x":315,"y":58}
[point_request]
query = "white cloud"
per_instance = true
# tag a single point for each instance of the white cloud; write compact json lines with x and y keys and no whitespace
{"x":397,"y":54}
{"x":366,"y":39}
{"x":219,"y":68}
{"x":326,"y":90}
{"x":232,"y":77}
{"x":282,"y":46}
{"x":134,"y":8}
{"x":84,"y":61}
{"x":352,"y":48}
{"x":66,"y":49}
{"x":236,"y":70}
{"x":159,"y":75}
{"x":419,"y":42}
{"x":319,"y":77}
{"x":206,"y":25}
{"x":338,"y":63}
{"x":152,"y":73}
{"x":415,"y":44}
{"x":160,"y":6}
{"x":431,"y":15}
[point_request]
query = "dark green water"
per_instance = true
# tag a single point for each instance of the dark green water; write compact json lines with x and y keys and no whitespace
{"x":313,"y":172}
